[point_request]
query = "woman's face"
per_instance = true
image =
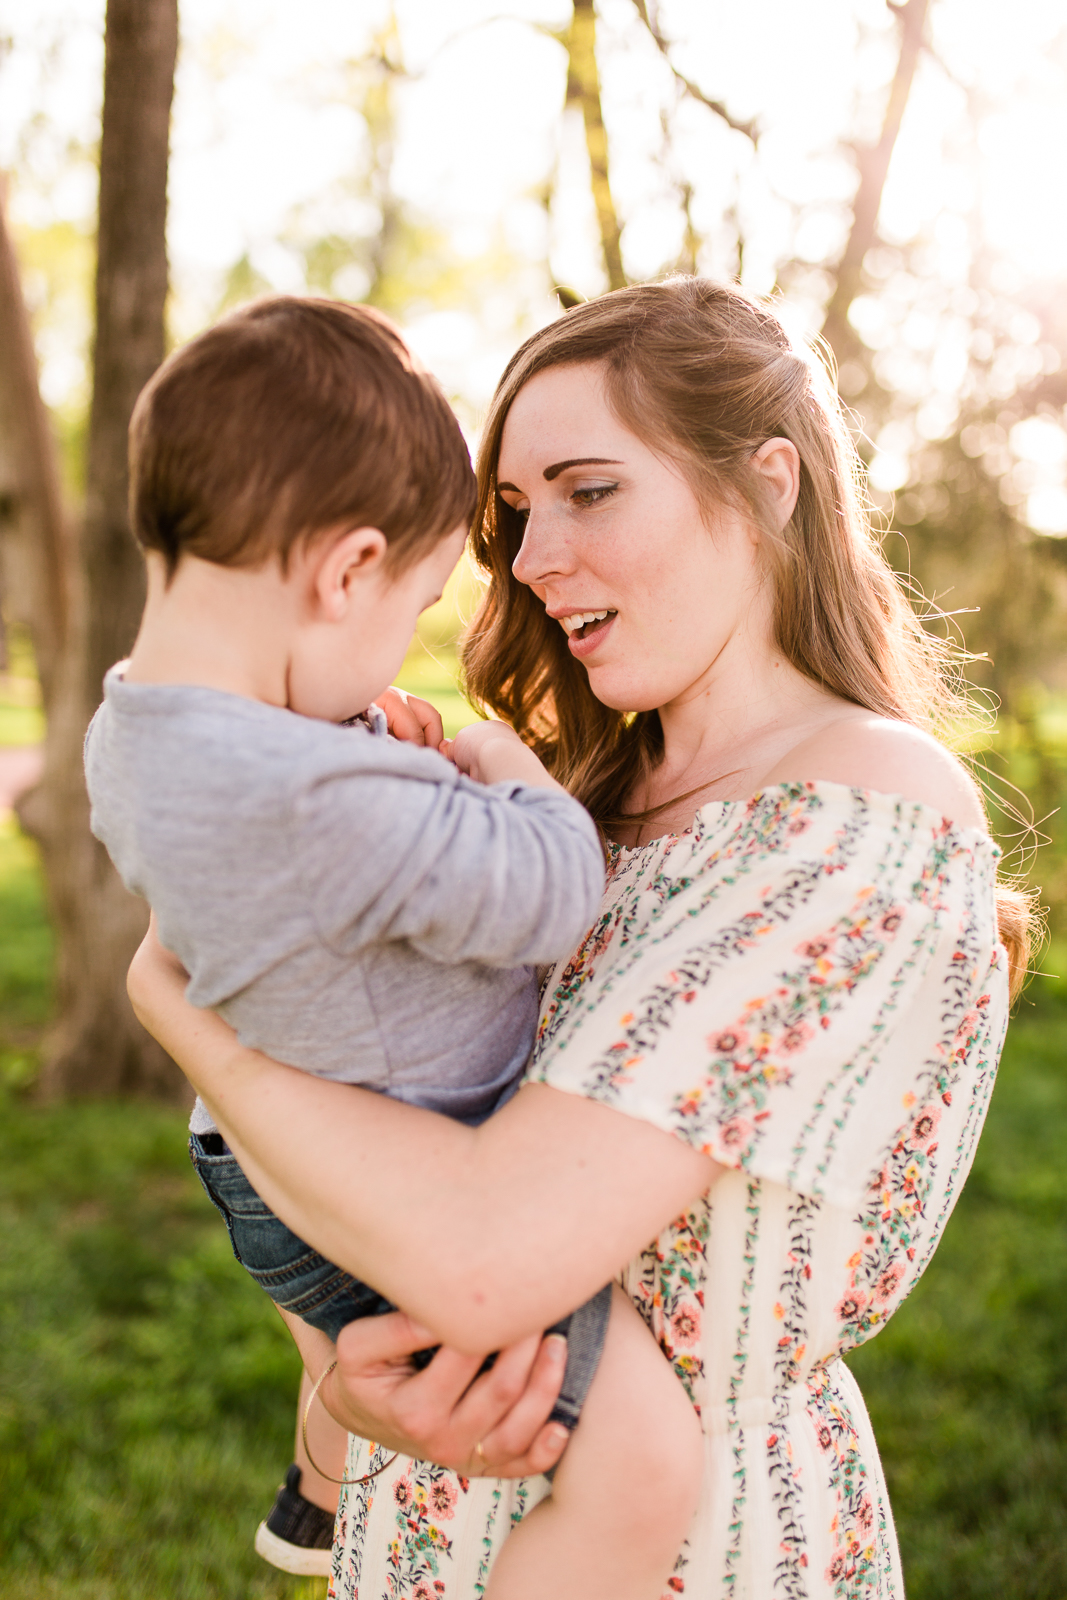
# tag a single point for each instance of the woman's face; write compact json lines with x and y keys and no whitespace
{"x":615,"y":534}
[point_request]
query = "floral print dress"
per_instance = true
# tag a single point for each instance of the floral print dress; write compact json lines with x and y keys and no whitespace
{"x":808,"y":987}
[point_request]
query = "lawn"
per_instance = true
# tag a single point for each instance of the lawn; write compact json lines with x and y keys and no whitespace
{"x":146,"y":1387}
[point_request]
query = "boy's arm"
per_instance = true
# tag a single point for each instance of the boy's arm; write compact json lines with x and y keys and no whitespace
{"x":407,"y":848}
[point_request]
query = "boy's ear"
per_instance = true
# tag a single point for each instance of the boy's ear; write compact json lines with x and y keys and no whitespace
{"x":357,"y":554}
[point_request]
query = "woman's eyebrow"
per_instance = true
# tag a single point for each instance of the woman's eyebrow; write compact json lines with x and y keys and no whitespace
{"x":561,"y":466}
{"x":579,"y":461}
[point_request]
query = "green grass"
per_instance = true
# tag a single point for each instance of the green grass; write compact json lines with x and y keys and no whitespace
{"x":25,"y":957}
{"x":146,"y":1386}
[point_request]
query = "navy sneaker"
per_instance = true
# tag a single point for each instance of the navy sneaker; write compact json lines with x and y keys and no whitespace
{"x":297,"y":1536}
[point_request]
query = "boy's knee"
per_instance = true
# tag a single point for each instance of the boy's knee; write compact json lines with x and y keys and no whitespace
{"x":651,"y":1488}
{"x":667,"y":1489}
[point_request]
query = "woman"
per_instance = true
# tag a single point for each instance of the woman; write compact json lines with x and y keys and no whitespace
{"x":773,"y":1053}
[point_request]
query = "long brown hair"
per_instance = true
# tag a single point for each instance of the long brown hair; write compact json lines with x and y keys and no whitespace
{"x":705,"y":375}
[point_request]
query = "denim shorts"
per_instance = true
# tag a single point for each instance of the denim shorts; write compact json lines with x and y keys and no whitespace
{"x":299,"y":1280}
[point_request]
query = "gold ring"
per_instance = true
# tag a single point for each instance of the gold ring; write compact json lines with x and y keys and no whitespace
{"x":480,"y":1453}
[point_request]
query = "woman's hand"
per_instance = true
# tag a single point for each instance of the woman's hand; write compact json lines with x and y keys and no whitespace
{"x":411,"y":719}
{"x":447,"y":1411}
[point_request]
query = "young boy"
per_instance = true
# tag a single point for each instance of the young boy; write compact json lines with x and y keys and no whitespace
{"x":354,"y":905}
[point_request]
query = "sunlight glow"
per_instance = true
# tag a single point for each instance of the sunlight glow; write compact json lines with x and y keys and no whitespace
{"x":268,"y":140}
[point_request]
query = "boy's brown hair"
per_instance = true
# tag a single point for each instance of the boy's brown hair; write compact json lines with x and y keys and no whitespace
{"x":288,"y":417}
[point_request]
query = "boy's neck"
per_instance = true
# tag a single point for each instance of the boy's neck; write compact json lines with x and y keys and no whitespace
{"x":216,"y":627}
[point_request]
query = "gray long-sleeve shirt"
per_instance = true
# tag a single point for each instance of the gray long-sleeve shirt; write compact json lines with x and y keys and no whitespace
{"x":352,"y":905}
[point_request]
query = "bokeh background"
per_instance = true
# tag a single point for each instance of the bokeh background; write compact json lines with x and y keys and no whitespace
{"x":895,"y":176}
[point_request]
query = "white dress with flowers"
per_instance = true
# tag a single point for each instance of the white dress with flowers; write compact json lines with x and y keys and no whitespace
{"x":808,"y":987}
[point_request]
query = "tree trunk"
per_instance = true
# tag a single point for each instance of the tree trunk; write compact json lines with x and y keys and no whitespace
{"x":36,"y":554}
{"x":583,"y":90}
{"x":873,"y":163}
{"x":96,"y":1045}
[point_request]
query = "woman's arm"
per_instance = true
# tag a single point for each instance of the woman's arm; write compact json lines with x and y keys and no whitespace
{"x":482,"y":1234}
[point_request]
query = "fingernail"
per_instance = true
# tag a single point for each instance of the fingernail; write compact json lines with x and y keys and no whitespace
{"x":558,"y":1435}
{"x":557,"y":1349}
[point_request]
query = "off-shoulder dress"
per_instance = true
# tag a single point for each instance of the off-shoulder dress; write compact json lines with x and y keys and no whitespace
{"x":808,"y":986}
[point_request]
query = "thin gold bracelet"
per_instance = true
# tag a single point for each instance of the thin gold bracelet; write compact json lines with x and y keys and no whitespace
{"x":307,"y":1448}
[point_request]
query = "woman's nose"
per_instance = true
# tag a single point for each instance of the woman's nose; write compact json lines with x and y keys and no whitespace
{"x":542,"y":555}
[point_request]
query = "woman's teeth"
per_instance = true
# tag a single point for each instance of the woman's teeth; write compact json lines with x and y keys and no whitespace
{"x":575,"y":623}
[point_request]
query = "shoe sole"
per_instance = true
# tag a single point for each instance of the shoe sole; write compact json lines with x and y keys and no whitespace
{"x":294,"y":1558}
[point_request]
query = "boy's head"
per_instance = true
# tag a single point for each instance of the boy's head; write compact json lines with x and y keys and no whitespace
{"x":289,"y":418}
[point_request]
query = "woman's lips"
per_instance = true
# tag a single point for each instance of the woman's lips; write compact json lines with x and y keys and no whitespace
{"x":593,"y":636}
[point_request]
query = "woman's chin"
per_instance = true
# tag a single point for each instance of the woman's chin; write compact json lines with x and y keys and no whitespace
{"x":621,"y":691}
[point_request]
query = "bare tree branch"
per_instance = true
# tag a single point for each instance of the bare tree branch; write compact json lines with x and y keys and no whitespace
{"x":651,"y":22}
{"x":873,"y":164}
{"x":583,"y":90}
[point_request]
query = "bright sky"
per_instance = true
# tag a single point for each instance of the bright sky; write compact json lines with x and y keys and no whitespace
{"x":265,"y":132}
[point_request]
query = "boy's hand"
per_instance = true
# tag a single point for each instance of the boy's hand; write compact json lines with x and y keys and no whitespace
{"x":492,"y":752}
{"x":472,"y":749}
{"x":409,"y":718}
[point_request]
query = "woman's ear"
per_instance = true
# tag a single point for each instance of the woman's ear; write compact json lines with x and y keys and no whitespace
{"x":778,"y":464}
{"x":357,"y":554}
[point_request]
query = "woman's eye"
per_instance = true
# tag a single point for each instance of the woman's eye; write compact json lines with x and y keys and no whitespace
{"x":592,"y":497}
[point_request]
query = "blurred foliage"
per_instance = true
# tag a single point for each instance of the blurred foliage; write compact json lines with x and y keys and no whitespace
{"x":984,"y":465}
{"x":359,"y":240}
{"x":58,"y":262}
{"x":21,"y":717}
{"x":431,"y":669}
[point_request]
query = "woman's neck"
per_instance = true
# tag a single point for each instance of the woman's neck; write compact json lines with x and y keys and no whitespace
{"x":722,"y":736}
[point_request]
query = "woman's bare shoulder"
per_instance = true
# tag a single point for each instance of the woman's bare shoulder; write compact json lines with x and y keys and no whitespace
{"x":865,"y":751}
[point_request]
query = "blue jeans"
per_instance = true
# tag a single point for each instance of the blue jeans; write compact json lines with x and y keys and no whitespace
{"x":299,"y":1280}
